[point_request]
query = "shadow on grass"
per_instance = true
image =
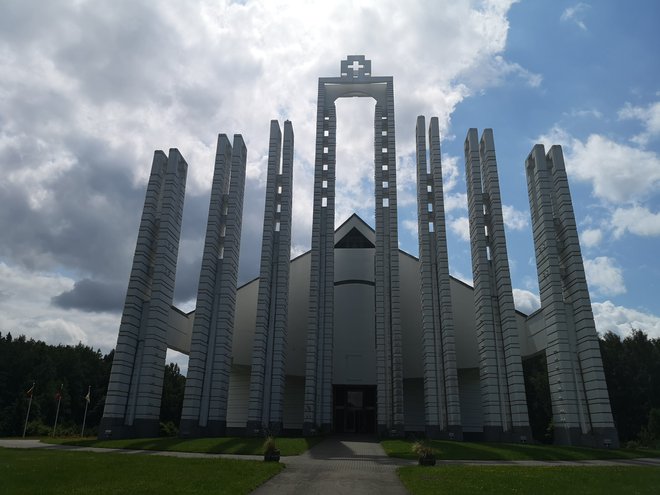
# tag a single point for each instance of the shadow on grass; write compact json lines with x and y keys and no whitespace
{"x":502,"y":451}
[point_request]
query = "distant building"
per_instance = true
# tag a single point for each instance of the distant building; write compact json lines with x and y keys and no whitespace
{"x":356,"y":335}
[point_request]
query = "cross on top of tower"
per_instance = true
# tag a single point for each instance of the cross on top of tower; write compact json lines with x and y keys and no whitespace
{"x":355,"y":67}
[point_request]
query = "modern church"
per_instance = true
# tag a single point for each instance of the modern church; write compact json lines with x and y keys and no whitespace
{"x":356,"y":335}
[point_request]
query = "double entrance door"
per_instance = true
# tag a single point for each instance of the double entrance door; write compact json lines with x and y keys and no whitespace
{"x":354,"y":408}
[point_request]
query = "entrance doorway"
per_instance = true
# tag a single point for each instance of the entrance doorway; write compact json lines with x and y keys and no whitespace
{"x":354,"y":408}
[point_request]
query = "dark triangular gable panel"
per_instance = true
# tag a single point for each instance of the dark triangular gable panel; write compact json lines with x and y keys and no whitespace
{"x":354,"y":240}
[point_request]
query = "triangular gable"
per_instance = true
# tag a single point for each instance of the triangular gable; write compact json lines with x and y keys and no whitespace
{"x":355,"y":232}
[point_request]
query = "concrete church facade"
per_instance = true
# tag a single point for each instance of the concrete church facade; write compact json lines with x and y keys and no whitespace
{"x":356,"y":335}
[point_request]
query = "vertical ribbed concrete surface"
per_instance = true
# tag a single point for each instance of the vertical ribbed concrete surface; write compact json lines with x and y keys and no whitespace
{"x":500,"y":365}
{"x":268,"y":355}
{"x":132,"y":405}
{"x":580,"y":401}
{"x":441,"y":399}
{"x":205,"y":397}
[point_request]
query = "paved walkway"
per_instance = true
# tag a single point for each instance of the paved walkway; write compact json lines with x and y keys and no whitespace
{"x":354,"y":465}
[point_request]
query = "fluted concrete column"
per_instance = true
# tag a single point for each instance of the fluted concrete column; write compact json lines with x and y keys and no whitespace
{"x":502,"y":384}
{"x":205,"y":397}
{"x":389,"y":351}
{"x":580,"y":401}
{"x":132,"y":405}
{"x":268,"y":355}
{"x":441,"y":398}
{"x":318,"y":364}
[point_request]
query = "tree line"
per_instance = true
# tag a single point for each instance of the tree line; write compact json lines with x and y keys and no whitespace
{"x":631,"y":364}
{"x":70,"y":371}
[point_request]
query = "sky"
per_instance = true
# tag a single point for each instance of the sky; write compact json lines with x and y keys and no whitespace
{"x":88,"y":91}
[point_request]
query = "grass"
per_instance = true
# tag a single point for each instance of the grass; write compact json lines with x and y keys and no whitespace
{"x":224,"y":445}
{"x":30,"y":471}
{"x":459,"y":480}
{"x":502,"y":451}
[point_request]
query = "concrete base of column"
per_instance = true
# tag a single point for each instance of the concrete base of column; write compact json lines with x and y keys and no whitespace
{"x":189,"y":428}
{"x":607,"y":438}
{"x":494,"y":434}
{"x":310,"y":429}
{"x":394,"y":431}
{"x":275,"y":428}
{"x":521,"y":434}
{"x":453,"y":432}
{"x":254,"y":429}
{"x":114,"y":428}
{"x":567,"y":436}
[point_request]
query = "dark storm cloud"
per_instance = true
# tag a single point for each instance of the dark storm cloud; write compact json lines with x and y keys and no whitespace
{"x":93,"y":296}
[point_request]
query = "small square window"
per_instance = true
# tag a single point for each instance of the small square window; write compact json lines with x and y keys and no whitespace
{"x":326,"y":133}
{"x":325,"y":149}
{"x":324,"y":184}
{"x":429,"y":207}
{"x":324,"y":202}
{"x":386,"y":202}
{"x":325,"y":166}
{"x":277,"y":226}
{"x":384,"y":167}
{"x":383,"y":133}
{"x":429,"y":188}
{"x":279,"y":208}
{"x":279,"y":189}
{"x":385,"y":184}
{"x":384,"y":150}
{"x":431,"y":227}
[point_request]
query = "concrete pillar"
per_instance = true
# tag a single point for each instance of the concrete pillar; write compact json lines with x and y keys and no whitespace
{"x":269,"y":350}
{"x":205,"y":397}
{"x":580,"y":401}
{"x":441,"y":398}
{"x":318,"y":368}
{"x":132,"y":405}
{"x":502,"y":384}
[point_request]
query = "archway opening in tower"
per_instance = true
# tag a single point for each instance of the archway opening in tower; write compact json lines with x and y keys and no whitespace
{"x":354,"y":187}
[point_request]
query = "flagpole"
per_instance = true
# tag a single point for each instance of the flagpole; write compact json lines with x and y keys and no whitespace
{"x":28,"y":411}
{"x":87,"y":397}
{"x":57,"y":413}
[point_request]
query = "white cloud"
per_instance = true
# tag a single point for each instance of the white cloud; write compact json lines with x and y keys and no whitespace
{"x":591,"y":237}
{"x":515,"y":219}
{"x":621,"y":320}
{"x":637,"y":220}
{"x":575,"y":14}
{"x":618,"y":173}
{"x":649,"y":117}
{"x":526,"y":301}
{"x":604,"y":276}
{"x":455,"y":201}
{"x":461,"y":227}
{"x":26,"y":309}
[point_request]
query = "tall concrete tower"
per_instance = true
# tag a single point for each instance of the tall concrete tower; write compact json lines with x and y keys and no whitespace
{"x":500,"y":366}
{"x":441,"y":399}
{"x":207,"y":384}
{"x":580,"y":401}
{"x":269,"y":350}
{"x":132,"y":406}
{"x":355,"y":80}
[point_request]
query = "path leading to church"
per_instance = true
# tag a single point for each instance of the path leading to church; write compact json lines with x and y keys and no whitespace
{"x":354,"y":465}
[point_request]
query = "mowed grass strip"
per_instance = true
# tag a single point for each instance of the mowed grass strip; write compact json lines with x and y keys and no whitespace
{"x":30,"y":471}
{"x":503,"y":451}
{"x":224,"y":445}
{"x":470,"y":480}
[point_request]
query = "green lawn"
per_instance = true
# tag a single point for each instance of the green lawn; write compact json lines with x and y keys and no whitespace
{"x":469,"y":480}
{"x":224,"y":445}
{"x":30,"y":471}
{"x":502,"y":451}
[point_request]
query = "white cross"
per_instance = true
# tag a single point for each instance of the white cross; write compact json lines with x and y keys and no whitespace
{"x":356,"y":66}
